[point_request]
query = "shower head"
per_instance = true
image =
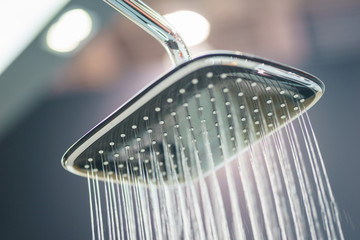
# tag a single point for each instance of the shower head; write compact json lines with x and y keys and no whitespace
{"x":209,"y":108}
{"x":219,"y":100}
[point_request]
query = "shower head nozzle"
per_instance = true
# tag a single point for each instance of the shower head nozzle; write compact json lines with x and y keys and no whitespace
{"x":210,"y":107}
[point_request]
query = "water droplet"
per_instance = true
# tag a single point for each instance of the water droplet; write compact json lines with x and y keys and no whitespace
{"x":240,"y":94}
{"x":214,"y":112}
{"x":127,"y":147}
{"x":239,"y":80}
{"x":282,"y":92}
{"x":270,"y":125}
{"x":256,"y":110}
{"x":106,"y":163}
{"x":146,"y":160}
{"x":269,"y":101}
{"x":173,"y":113}
{"x":270,"y":114}
{"x":198,"y":95}
{"x":253,"y":84}
{"x":209,"y":75}
{"x":201,"y":108}
{"x":227,"y":103}
{"x":149,"y":130}
{"x":142,"y":150}
{"x":138,"y":139}
{"x":161,"y":122}
{"x":296,"y":108}
{"x":86,"y":166}
{"x":133,"y":126}
{"x":244,"y":130}
{"x":302,"y":100}
{"x":169,"y":100}
{"x":101,"y":151}
{"x":255,"y":98}
{"x":188,"y":117}
{"x":122,"y":135}
{"x":282,"y":105}
{"x":223,"y":75}
{"x":283,"y":117}
{"x":111,"y":143}
{"x":195,"y":81}
{"x":90,"y":159}
{"x":242,"y":107}
{"x":165,"y":134}
{"x":225,"y":90}
{"x":157,"y":109}
{"x":296,"y":95}
{"x":257,"y":122}
{"x":229,"y":115}
{"x":116,"y":155}
{"x":146,"y":118}
{"x":210,"y":85}
{"x":268,"y":88}
{"x":161,"y":163}
{"x":153,"y":142}
{"x":131,"y":158}
{"x":243,"y":119}
{"x":182,"y":91}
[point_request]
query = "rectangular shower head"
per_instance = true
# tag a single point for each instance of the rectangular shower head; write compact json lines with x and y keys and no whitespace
{"x":212,"y":107}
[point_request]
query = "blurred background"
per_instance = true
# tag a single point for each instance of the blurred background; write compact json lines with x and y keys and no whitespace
{"x":65,"y":65}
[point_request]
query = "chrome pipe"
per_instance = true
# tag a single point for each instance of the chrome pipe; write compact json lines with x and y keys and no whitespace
{"x":156,"y":25}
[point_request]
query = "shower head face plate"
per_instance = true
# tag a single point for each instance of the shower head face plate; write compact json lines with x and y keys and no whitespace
{"x":194,"y":119}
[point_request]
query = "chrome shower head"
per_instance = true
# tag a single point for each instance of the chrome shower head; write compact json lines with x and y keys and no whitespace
{"x":219,"y":100}
{"x":211,"y":107}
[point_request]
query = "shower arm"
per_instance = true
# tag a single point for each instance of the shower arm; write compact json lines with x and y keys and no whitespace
{"x":156,"y":25}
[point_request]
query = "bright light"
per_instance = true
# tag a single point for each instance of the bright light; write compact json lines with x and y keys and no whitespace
{"x":67,"y":33}
{"x":20,"y":22}
{"x":193,"y":27}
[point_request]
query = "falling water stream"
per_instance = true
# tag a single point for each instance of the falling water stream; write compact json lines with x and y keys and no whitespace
{"x":275,"y":186}
{"x":273,"y":190}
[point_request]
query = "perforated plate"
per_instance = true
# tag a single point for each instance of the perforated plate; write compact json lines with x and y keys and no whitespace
{"x":209,"y":108}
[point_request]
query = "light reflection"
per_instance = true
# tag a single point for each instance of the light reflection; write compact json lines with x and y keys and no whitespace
{"x":66,"y":34}
{"x":193,"y":28}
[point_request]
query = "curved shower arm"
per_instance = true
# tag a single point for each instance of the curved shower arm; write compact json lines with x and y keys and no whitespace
{"x":155,"y":25}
